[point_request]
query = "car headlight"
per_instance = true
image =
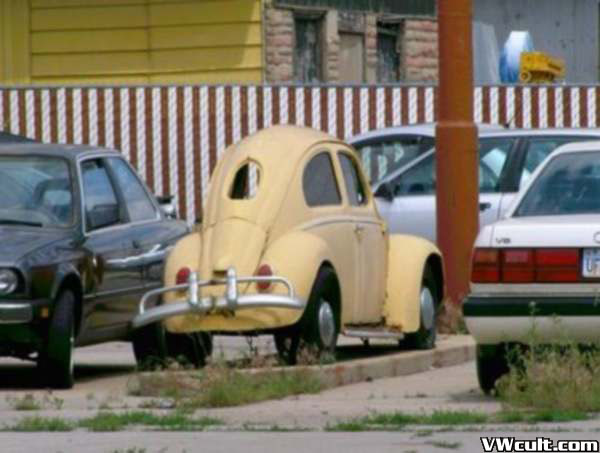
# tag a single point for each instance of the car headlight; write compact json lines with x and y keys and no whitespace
{"x":8,"y":281}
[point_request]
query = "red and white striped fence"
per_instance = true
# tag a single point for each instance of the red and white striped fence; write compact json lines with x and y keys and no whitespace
{"x":175,"y":135}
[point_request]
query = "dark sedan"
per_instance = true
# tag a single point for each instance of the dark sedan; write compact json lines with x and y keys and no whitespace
{"x":81,"y":239}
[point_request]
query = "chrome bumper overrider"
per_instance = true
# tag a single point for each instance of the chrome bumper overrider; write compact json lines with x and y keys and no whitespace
{"x":230,"y":302}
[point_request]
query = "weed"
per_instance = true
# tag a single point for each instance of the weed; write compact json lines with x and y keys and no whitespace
{"x":557,"y":377}
{"x":221,"y":386}
{"x":398,"y":420}
{"x":444,"y":444}
{"x":33,"y":424}
{"x":29,"y":402}
{"x":176,"y":421}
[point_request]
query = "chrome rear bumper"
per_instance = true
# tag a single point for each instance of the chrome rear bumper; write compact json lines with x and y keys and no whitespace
{"x":230,"y":302}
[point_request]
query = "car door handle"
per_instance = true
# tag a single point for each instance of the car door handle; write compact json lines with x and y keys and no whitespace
{"x":484,"y":206}
{"x":358,"y":229}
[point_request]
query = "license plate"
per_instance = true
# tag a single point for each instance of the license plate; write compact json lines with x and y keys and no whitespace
{"x":590,"y":266}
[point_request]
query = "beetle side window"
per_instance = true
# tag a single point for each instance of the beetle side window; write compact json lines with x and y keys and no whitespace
{"x":101,"y":205}
{"x":138,"y":204}
{"x":354,"y":186}
{"x":319,"y":183}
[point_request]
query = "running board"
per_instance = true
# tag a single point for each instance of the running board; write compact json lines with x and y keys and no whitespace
{"x":370,"y":332}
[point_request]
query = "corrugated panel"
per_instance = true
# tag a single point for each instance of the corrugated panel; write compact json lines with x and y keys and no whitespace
{"x":111,"y":41}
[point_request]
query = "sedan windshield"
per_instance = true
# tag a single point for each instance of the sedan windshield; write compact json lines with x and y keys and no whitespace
{"x":35,"y":191}
{"x":569,"y":184}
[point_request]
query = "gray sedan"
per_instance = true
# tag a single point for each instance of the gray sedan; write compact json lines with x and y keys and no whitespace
{"x":402,"y":171}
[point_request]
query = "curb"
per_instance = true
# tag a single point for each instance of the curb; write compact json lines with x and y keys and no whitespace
{"x":451,"y":350}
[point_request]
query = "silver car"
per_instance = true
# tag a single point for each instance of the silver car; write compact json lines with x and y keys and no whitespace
{"x":402,"y":171}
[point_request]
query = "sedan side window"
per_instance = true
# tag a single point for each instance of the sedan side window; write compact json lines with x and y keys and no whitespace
{"x":138,"y":204}
{"x":420,"y":179}
{"x":417,"y":180}
{"x":380,"y":158}
{"x":354,"y":186}
{"x":319,"y":183}
{"x":101,"y":205}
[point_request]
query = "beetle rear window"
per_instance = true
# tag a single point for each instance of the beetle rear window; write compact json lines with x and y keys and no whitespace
{"x":319,"y":183}
{"x":246,"y":181}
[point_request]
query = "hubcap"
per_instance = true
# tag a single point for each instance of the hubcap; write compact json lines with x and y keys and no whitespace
{"x":427,"y":308}
{"x":326,"y":323}
{"x":71,"y":353}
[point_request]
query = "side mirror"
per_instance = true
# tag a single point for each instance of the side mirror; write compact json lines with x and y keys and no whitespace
{"x":385,"y":191}
{"x":167,"y":204}
{"x":103,"y":215}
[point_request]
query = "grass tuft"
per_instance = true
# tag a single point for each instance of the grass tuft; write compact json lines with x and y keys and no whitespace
{"x":560,"y":380}
{"x":176,"y":421}
{"x":38,"y":424}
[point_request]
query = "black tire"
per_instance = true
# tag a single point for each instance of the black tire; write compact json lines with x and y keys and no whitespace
{"x":425,"y":337}
{"x":492,"y":363}
{"x":319,"y":326}
{"x":287,"y":343}
{"x":57,"y":358}
{"x":189,"y":349}
{"x":149,"y":346}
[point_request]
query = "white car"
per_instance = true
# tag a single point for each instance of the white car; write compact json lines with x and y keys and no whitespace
{"x":403,"y":174}
{"x":537,"y":272}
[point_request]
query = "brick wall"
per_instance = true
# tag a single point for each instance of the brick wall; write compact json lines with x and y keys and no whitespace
{"x":419,"y":45}
{"x":279,"y":45}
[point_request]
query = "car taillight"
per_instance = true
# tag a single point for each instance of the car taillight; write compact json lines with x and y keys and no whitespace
{"x":517,"y":266}
{"x":557,"y":265}
{"x":264,"y":271}
{"x":182,"y":276}
{"x":525,"y":265}
{"x":486,"y":266}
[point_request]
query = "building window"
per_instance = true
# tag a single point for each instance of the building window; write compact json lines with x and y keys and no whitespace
{"x":352,"y":57}
{"x":388,"y":59}
{"x":307,"y":51}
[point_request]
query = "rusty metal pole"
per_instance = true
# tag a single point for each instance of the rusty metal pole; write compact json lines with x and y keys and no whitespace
{"x":456,"y":146}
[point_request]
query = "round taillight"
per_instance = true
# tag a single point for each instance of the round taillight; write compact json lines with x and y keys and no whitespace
{"x":183,"y":275}
{"x":264,"y":271}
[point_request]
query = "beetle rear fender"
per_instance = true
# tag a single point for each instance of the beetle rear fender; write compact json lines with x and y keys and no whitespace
{"x":408,"y":257}
{"x":298,"y":256}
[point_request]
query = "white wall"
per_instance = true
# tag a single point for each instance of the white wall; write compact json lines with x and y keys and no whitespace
{"x":564,"y":28}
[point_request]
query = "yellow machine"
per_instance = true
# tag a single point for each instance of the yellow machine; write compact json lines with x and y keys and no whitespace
{"x":538,"y":67}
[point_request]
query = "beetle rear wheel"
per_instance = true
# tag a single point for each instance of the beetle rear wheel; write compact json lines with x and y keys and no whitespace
{"x":318,"y":328}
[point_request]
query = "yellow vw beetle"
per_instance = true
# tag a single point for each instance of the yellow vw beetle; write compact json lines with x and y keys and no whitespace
{"x":291,"y":244}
